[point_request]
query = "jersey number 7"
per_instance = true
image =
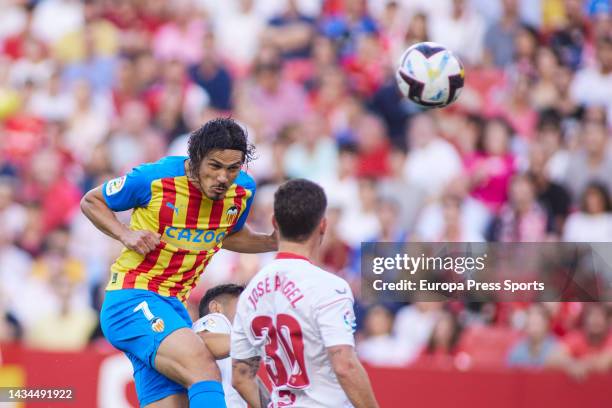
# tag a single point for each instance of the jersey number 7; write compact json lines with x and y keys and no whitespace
{"x":284,"y":337}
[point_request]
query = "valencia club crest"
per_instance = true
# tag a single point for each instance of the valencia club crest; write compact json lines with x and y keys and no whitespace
{"x":232,"y":214}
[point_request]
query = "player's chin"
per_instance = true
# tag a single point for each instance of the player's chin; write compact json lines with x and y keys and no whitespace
{"x":216,"y":194}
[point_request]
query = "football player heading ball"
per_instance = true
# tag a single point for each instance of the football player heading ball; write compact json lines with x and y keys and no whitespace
{"x":184,"y":210}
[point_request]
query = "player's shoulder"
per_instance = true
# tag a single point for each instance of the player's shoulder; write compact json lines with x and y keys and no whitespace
{"x":245,"y":181}
{"x":170,"y":166}
{"x":331,"y":287}
{"x":321,"y":285}
{"x":321,"y":275}
{"x":214,"y":323}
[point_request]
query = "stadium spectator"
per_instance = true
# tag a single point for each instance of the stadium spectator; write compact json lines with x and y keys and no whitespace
{"x":360,"y":221}
{"x":390,"y":230}
{"x":346,"y":28}
{"x":442,"y":348}
{"x":275,"y":101}
{"x":52,"y":103}
{"x":213,"y":75}
{"x":373,"y":143}
{"x":335,"y":253}
{"x":591,"y":162}
{"x":134,"y":140}
{"x":95,"y":67}
{"x":593,"y":85}
{"x":408,"y":197}
{"x":65,"y":328}
{"x":492,"y":166}
{"x":58,"y":196}
{"x":453,"y":229}
{"x":413,"y":327}
{"x":593,"y":223}
{"x":343,"y":187}
{"x":379,"y":347}
{"x":514,"y":105}
{"x":88,"y":123}
{"x":570,"y":38}
{"x":588,"y":349}
{"x":499,"y":38}
{"x":12,"y":213}
{"x":184,"y":27}
{"x":474,"y":216}
{"x":97,"y":39}
{"x":538,"y":344}
{"x":313,"y":152}
{"x":291,"y":31}
{"x":550,"y":139}
{"x":462,"y":31}
{"x":55,"y":18}
{"x":545,"y":94}
{"x":238,"y":35}
{"x":553,"y":197}
{"x":522,"y":219}
{"x":15,"y":267}
{"x":432,"y":162}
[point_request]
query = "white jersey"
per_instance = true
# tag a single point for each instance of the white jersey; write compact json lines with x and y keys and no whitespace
{"x":218,"y":323}
{"x":290,"y":312}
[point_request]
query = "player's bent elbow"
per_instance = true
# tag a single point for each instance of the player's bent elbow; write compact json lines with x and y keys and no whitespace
{"x":88,"y":201}
{"x":344,"y":361}
{"x":345,"y":369}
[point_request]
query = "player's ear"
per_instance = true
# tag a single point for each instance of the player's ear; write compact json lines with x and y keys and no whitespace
{"x":323,"y":225}
{"x":215,"y":307}
{"x":274,"y":223}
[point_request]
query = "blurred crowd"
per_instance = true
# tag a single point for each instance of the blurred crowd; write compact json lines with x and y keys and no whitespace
{"x":89,"y":89}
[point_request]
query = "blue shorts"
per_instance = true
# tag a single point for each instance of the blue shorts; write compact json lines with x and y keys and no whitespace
{"x":136,"y":321}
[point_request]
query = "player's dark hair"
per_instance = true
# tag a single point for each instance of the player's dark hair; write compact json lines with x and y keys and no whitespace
{"x":299,"y":206}
{"x":216,"y":292}
{"x":218,"y":134}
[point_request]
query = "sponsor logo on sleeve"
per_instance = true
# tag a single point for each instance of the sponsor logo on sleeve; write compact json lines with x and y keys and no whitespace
{"x":209,"y":323}
{"x":115,"y":185}
{"x":350,"y":322}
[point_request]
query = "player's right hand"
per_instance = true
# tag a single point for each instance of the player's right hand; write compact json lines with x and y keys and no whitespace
{"x":141,"y":241}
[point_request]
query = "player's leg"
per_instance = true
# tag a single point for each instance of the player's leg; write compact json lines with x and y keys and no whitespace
{"x":183,"y":357}
{"x":137,"y":322}
{"x":172,"y":401}
{"x":155,"y":390}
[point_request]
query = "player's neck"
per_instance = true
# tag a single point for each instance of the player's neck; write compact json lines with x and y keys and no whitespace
{"x":307,"y":249}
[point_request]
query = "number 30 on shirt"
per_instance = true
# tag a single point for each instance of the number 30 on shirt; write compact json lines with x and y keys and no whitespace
{"x":284,"y":338}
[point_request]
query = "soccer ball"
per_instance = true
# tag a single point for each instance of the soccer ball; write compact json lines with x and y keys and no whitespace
{"x":430,"y":75}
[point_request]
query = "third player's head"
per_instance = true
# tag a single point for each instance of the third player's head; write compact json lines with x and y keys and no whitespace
{"x":299,"y":211}
{"x":217,"y":152}
{"x":221,"y":299}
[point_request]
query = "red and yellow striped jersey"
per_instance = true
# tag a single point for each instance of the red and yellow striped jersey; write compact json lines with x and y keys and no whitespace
{"x":191,"y":225}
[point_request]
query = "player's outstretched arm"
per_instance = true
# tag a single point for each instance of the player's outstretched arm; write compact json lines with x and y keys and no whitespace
{"x":250,"y":242}
{"x":244,"y":375}
{"x":352,"y":376}
{"x":95,"y":208}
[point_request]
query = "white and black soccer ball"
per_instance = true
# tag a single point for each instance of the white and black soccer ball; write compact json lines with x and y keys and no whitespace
{"x":430,"y":75}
